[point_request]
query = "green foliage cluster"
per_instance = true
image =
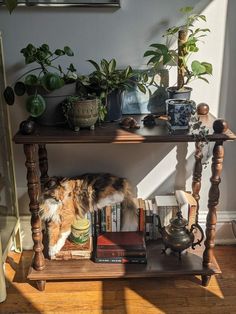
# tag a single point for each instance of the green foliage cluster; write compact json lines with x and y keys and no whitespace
{"x":47,"y":75}
{"x":163,"y":55}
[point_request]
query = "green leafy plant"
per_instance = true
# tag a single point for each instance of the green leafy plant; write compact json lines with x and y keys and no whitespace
{"x":106,"y":79}
{"x":46,"y":76}
{"x":188,"y":38}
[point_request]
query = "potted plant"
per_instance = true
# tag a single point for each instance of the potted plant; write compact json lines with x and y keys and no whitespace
{"x":47,"y":84}
{"x":84,"y":108}
{"x":188,"y":38}
{"x":108,"y":83}
{"x":161,"y":55}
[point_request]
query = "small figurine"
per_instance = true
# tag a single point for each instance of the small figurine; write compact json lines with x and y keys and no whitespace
{"x":129,"y":123}
{"x":152,"y":120}
{"x":149,"y":120}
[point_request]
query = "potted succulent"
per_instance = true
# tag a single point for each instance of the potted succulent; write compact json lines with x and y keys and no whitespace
{"x":108,"y":83}
{"x":47,"y":84}
{"x":161,"y":55}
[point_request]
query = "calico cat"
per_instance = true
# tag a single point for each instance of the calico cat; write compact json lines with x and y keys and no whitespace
{"x":74,"y":197}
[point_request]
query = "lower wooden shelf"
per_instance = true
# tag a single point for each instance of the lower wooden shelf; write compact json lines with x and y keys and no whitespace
{"x":159,"y":265}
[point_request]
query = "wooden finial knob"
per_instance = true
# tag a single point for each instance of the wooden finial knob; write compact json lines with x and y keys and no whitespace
{"x":220,"y":126}
{"x":202,"y":108}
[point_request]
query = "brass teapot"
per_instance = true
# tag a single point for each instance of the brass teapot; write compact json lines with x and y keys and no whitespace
{"x":177,"y":236}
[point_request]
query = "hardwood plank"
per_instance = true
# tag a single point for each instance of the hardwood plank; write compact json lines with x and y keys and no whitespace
{"x":182,"y":294}
{"x":159,"y":265}
{"x":112,"y":133}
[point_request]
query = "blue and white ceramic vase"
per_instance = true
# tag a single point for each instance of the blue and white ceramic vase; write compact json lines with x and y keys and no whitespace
{"x":179,"y":112}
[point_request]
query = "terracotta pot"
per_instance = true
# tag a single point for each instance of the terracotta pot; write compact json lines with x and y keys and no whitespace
{"x":83,"y":114}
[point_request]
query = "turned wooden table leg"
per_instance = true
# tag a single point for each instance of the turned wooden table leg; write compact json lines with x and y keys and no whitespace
{"x":205,"y":280}
{"x":43,"y":164}
{"x":41,"y":284}
{"x":33,"y":191}
{"x":197,"y":175}
{"x":214,"y":194}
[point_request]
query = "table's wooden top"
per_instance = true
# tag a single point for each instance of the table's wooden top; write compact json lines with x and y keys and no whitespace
{"x":113,"y":133}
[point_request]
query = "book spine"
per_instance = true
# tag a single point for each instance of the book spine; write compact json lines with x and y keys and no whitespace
{"x":156,"y":233}
{"x":121,"y":260}
{"x":141,"y":215}
{"x":118,"y":216}
{"x":103,"y":219}
{"x":121,"y":247}
{"x":113,"y":218}
{"x":192,"y":215}
{"x":119,"y":253}
{"x":151,"y":227}
{"x":108,"y":218}
{"x":147,"y":214}
{"x":98,"y":221}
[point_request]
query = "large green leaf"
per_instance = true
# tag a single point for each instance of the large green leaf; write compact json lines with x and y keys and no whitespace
{"x":52,"y":81}
{"x":186,"y":10}
{"x":162,"y":48}
{"x":94,"y":64}
{"x":68,"y":51}
{"x":197,"y":68}
{"x":31,"y":79}
{"x":19,"y":88}
{"x":9,"y":95}
{"x":208,"y":67}
{"x":112,"y":65}
{"x":35,"y":105}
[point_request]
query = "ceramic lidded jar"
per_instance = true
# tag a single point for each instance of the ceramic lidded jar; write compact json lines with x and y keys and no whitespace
{"x":179,"y":112}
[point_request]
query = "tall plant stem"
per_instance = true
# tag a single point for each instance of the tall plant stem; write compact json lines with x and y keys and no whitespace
{"x":182,"y":38}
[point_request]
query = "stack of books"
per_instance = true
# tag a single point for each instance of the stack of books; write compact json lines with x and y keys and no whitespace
{"x":121,"y":247}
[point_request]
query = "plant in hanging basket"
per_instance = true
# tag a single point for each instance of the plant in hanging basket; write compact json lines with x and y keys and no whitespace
{"x":188,"y":38}
{"x":41,"y":80}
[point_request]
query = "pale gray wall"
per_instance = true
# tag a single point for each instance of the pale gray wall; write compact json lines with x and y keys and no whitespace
{"x":124,"y":34}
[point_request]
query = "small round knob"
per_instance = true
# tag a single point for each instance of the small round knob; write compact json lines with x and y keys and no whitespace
{"x":27,"y":127}
{"x":203,"y":108}
{"x":220,"y":126}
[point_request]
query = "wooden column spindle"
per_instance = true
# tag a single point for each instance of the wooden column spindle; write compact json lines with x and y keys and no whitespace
{"x":34,"y":191}
{"x":43,"y":164}
{"x":219,"y":126}
{"x":197,"y":175}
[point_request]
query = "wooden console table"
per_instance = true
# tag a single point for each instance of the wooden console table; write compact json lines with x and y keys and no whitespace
{"x":200,"y":263}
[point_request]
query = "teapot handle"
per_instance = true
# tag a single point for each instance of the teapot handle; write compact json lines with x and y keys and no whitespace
{"x":198,"y":242}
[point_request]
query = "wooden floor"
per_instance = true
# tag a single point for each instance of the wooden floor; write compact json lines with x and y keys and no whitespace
{"x":133,"y":296}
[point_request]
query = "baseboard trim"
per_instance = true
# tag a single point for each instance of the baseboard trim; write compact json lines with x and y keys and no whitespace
{"x":222,"y":216}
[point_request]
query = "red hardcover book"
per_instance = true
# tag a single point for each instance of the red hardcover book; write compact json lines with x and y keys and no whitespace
{"x":124,"y":241}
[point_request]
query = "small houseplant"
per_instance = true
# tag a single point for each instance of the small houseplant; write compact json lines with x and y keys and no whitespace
{"x":161,"y":55}
{"x":43,"y":82}
{"x":188,"y":38}
{"x":84,"y":108}
{"x":107,"y":83}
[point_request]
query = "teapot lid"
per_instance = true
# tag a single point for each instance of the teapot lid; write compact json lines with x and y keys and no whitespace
{"x":179,"y":221}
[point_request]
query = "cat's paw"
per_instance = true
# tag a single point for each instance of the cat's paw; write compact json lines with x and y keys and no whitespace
{"x":53,"y":250}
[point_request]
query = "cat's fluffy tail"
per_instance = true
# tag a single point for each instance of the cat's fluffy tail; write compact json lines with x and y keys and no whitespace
{"x":129,"y":211}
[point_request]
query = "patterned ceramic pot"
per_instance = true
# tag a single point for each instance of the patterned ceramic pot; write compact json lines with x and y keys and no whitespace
{"x":179,"y":112}
{"x":83,"y":114}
